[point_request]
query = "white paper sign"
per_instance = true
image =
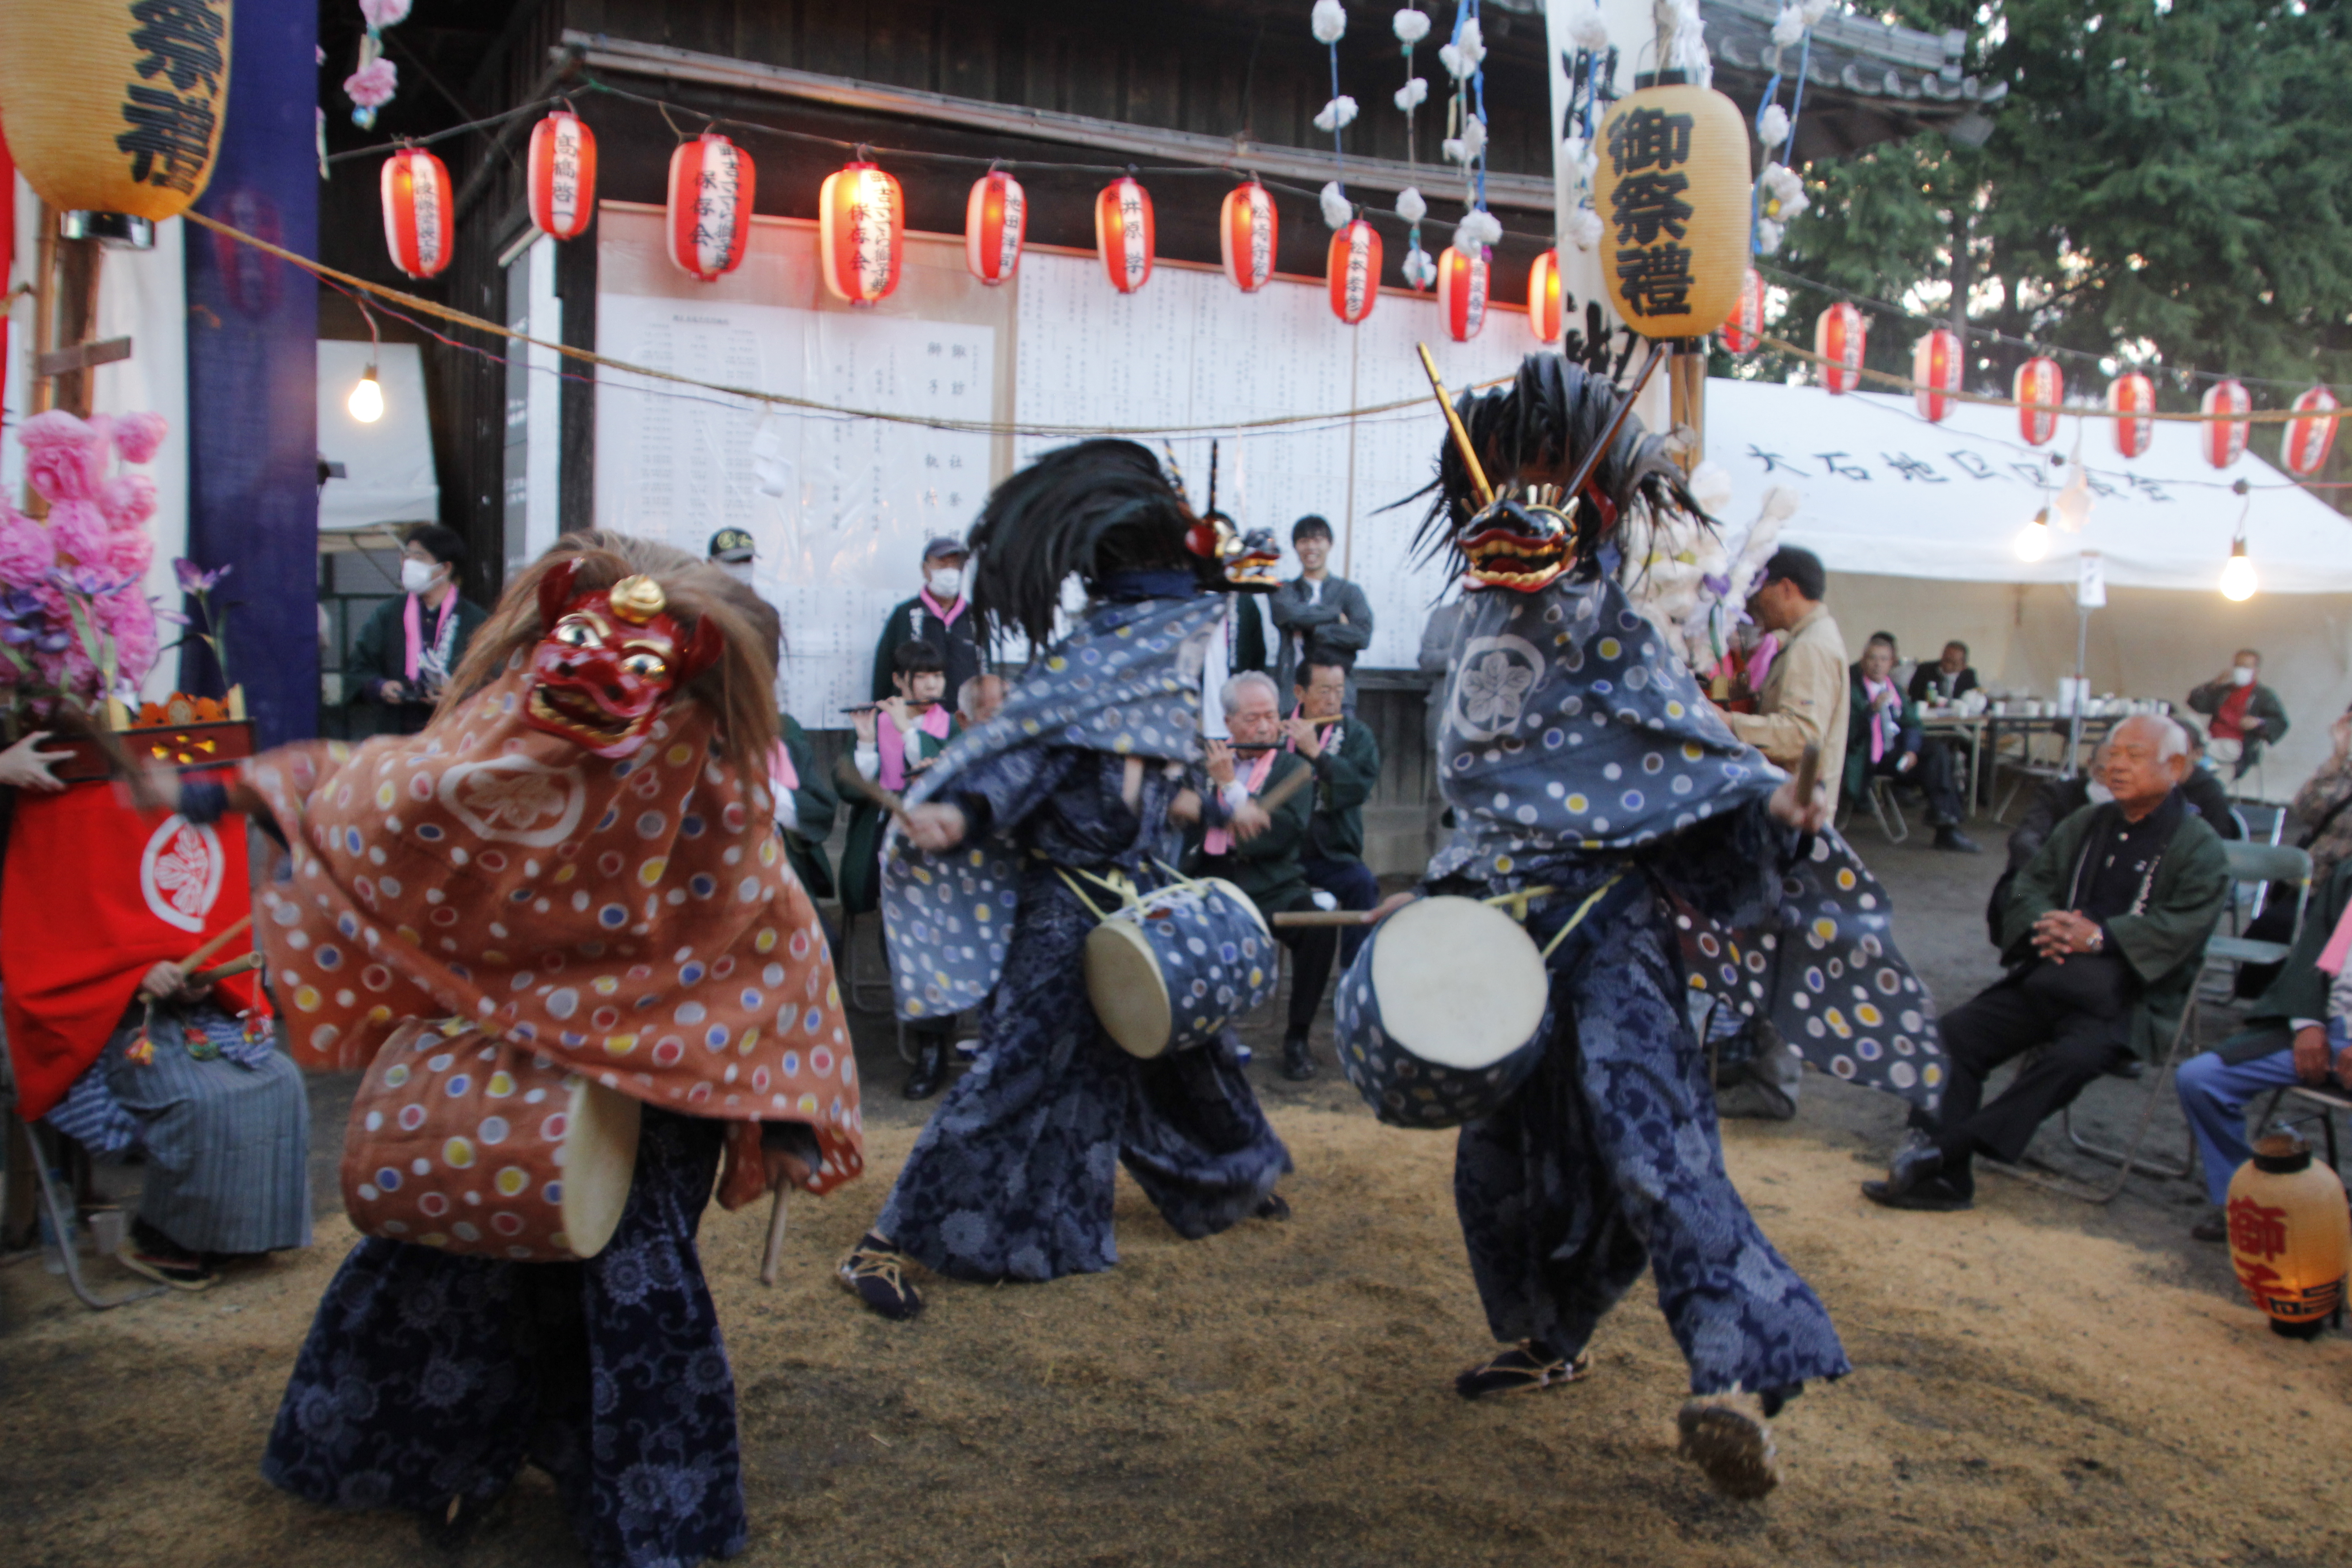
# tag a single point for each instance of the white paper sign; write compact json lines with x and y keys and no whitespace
{"x":2090,"y":581}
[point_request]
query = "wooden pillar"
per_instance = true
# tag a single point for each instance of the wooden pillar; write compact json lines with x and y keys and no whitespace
{"x":77,"y":262}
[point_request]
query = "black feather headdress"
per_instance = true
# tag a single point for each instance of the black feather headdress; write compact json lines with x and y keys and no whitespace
{"x":1094,"y":509}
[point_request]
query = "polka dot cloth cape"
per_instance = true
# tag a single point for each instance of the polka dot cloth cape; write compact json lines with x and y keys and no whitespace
{"x":634,"y":919}
{"x":1127,"y":682}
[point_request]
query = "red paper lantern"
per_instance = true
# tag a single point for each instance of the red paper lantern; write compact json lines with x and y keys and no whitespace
{"x":1462,"y":292}
{"x":1123,"y":233}
{"x":2225,"y":438}
{"x":1546,"y":311}
{"x":710,"y":184}
{"x":2310,"y":433}
{"x":417,"y":224}
{"x":562,"y":175}
{"x":1936,"y":366}
{"x":1354,"y":271}
{"x":1247,"y":229}
{"x":1839,"y":337}
{"x":2129,"y":396}
{"x":861,"y":220}
{"x":2039,"y":388}
{"x":994,"y":221}
{"x":1744,"y":328}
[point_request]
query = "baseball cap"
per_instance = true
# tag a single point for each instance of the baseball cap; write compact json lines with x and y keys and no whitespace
{"x":732,"y":544}
{"x":945,"y":545}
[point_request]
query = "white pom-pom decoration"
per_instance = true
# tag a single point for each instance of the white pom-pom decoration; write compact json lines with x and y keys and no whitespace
{"x":1584,"y":228}
{"x":1478,"y":227}
{"x":1768,"y":237}
{"x":1414,"y":92}
{"x":1412,"y":26}
{"x":1337,"y":114}
{"x":1409,"y":205}
{"x":1788,"y":27}
{"x":1337,"y":210}
{"x":1710,"y":485}
{"x":1451,"y":148}
{"x":1330,"y":21}
{"x":1586,"y":30}
{"x":1466,"y":148}
{"x":1774,"y":129}
{"x":1462,"y":59}
{"x":1783,"y":192}
{"x":1816,"y":10}
{"x":1419,"y":269}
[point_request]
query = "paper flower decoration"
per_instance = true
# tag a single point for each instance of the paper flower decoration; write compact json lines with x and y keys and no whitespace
{"x":1414,"y":92}
{"x":1337,"y":114}
{"x":1337,"y":210}
{"x":1330,"y":21}
{"x":1411,"y":26}
{"x":1409,"y":205}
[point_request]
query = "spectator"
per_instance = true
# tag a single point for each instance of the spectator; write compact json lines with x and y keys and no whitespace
{"x":2247,"y":715}
{"x":403,"y":655}
{"x":1239,"y":643}
{"x":2320,"y":805}
{"x":1268,"y":867}
{"x":1887,"y":743}
{"x":1949,"y":679}
{"x":807,"y":806}
{"x":1346,"y":763}
{"x":1804,"y":689}
{"x":2103,"y":935}
{"x":978,"y":700}
{"x":939,"y":614}
{"x":732,"y":550}
{"x":1318,"y":607}
{"x":2296,"y":1034}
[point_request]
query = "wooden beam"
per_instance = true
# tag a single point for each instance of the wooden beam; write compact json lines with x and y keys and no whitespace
{"x":82,"y":356}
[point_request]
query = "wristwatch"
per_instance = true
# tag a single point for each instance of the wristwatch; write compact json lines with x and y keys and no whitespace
{"x":2098,"y":940}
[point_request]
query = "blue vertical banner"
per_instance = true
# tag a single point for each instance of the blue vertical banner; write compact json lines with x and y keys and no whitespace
{"x":253,"y":372}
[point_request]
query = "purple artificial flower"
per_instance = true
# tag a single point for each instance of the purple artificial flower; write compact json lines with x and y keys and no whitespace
{"x":169,"y":618}
{"x":195,"y":579}
{"x":89,"y":582}
{"x":24,"y":619}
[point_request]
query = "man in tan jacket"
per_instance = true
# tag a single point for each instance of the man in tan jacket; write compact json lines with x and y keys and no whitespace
{"x":1806,"y":689}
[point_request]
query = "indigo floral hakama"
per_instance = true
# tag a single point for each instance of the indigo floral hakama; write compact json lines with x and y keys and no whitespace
{"x":428,"y":1377}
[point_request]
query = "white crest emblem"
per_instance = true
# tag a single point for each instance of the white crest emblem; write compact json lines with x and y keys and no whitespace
{"x":515,"y":800}
{"x":179,"y":873}
{"x":1491,"y":688}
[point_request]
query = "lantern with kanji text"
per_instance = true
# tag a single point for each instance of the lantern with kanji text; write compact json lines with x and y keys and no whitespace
{"x":2290,"y":1238}
{"x":1123,"y":236}
{"x":1248,"y":227}
{"x":1673,"y":194}
{"x":1462,"y":292}
{"x":1355,"y":272}
{"x":2310,"y":432}
{"x":417,"y":225}
{"x":1744,"y":328}
{"x":994,"y":217}
{"x":2224,"y":438}
{"x":1840,"y":335}
{"x":710,"y":220}
{"x":861,"y":219}
{"x":1547,"y":300}
{"x":2039,"y":388}
{"x":2131,"y":397}
{"x":1935,"y":365}
{"x":561,"y":179}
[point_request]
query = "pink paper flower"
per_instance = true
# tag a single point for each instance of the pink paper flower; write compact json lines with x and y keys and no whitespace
{"x":382,"y":14}
{"x":128,"y":501}
{"x":135,"y":638}
{"x":138,"y":436}
{"x":372,"y":85}
{"x":127,"y":553}
{"x":27,"y":550}
{"x":79,"y":531}
{"x":64,"y":458}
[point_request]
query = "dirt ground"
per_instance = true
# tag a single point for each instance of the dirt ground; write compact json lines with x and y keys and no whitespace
{"x":2036,"y":1380}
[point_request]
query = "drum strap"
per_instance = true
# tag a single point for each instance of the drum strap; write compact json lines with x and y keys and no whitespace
{"x":1119,"y":886}
{"x":1521,"y":900}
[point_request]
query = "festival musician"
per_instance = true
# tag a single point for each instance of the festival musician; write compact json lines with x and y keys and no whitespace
{"x":1347,"y":763}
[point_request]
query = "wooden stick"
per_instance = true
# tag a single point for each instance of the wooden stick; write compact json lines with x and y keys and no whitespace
{"x":234,"y":967}
{"x":846,"y":774}
{"x":1271,"y":801}
{"x":1461,"y":435}
{"x":227,"y":935}
{"x":775,"y":1253}
{"x":1324,"y":918}
{"x":1616,"y":423}
{"x":1808,"y":773}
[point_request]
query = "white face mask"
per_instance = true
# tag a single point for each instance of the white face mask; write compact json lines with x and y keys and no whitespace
{"x":945,"y":582}
{"x":2242,"y":676}
{"x":418,"y":576}
{"x":739,"y":570}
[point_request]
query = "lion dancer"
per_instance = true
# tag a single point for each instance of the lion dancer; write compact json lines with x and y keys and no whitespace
{"x":1580,"y":758}
{"x":556,"y":926}
{"x":1082,"y":775}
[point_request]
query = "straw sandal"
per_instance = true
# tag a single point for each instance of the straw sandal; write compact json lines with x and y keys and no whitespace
{"x":1725,"y":1434}
{"x":1521,"y":1369}
{"x":876,"y":1275}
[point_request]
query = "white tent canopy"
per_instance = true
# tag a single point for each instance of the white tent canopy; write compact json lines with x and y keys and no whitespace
{"x":388,"y":473}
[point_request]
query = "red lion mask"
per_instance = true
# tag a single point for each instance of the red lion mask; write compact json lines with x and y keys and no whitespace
{"x":611,"y":660}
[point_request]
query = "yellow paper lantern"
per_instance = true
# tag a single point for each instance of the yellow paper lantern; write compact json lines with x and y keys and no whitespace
{"x":1672,"y":196}
{"x":2290,"y":1238}
{"x":115,"y":105}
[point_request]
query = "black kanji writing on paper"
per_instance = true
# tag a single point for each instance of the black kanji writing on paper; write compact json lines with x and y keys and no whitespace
{"x":182,"y":40}
{"x":2148,"y":488}
{"x":1647,"y":203}
{"x":2100,"y":486}
{"x":1911,"y":467}
{"x":1649,"y":139}
{"x":170,"y":136}
{"x":1772,"y":460}
{"x":1843,"y":470}
{"x":2031,"y":473}
{"x":1975,"y":467}
{"x":1658,"y":280}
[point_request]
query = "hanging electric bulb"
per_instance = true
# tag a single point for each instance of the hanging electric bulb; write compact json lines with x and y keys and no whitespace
{"x":2237,"y":580}
{"x":367,"y":399}
{"x":2032,"y":541}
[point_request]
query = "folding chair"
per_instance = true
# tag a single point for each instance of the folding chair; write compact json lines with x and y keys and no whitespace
{"x":2329,"y":1101}
{"x":59,"y":1207}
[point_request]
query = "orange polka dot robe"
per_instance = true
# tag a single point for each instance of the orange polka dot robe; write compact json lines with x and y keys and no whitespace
{"x":632,"y":918}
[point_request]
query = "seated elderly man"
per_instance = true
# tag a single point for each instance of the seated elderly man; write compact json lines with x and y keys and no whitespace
{"x":2103,"y":935}
{"x":2296,"y":1034}
{"x":1267,"y":867}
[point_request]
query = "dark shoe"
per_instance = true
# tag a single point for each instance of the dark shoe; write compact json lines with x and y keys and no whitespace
{"x":1725,"y":1434}
{"x":1525,"y":1367}
{"x":1915,"y":1159}
{"x":1297,"y":1061}
{"x":876,"y":1275}
{"x":1274,"y":1206}
{"x":1932,"y":1195}
{"x":150,"y":1252}
{"x":2214,"y":1226}
{"x":1957,"y":842}
{"x":930,"y":1066}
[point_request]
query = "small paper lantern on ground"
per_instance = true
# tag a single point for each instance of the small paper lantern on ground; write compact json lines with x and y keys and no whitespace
{"x":1674,"y":199}
{"x":1123,"y":233}
{"x":1936,"y":366}
{"x":2039,"y":388}
{"x":710,"y":187}
{"x":114,"y":106}
{"x":1546,"y":298}
{"x":562,"y":175}
{"x":416,"y":217}
{"x":861,"y":217}
{"x":1355,"y":272}
{"x":1248,"y":227}
{"x":1840,"y":335}
{"x":994,"y":218}
{"x":2310,"y":432}
{"x":2130,"y":395}
{"x":2225,"y":439}
{"x":2289,"y":1237}
{"x":1462,"y":292}
{"x":1744,"y":328}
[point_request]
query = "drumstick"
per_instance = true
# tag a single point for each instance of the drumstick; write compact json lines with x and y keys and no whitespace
{"x":1271,"y":801}
{"x":233,"y":968}
{"x":227,"y":935}
{"x":846,"y":774}
{"x":1461,"y":437}
{"x":1808,"y":773}
{"x":1325,"y":918}
{"x":775,"y":1253}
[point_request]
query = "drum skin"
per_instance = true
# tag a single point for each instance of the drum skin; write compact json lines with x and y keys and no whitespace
{"x":1443,"y":1013}
{"x":470,"y":1143}
{"x":1170,"y":973}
